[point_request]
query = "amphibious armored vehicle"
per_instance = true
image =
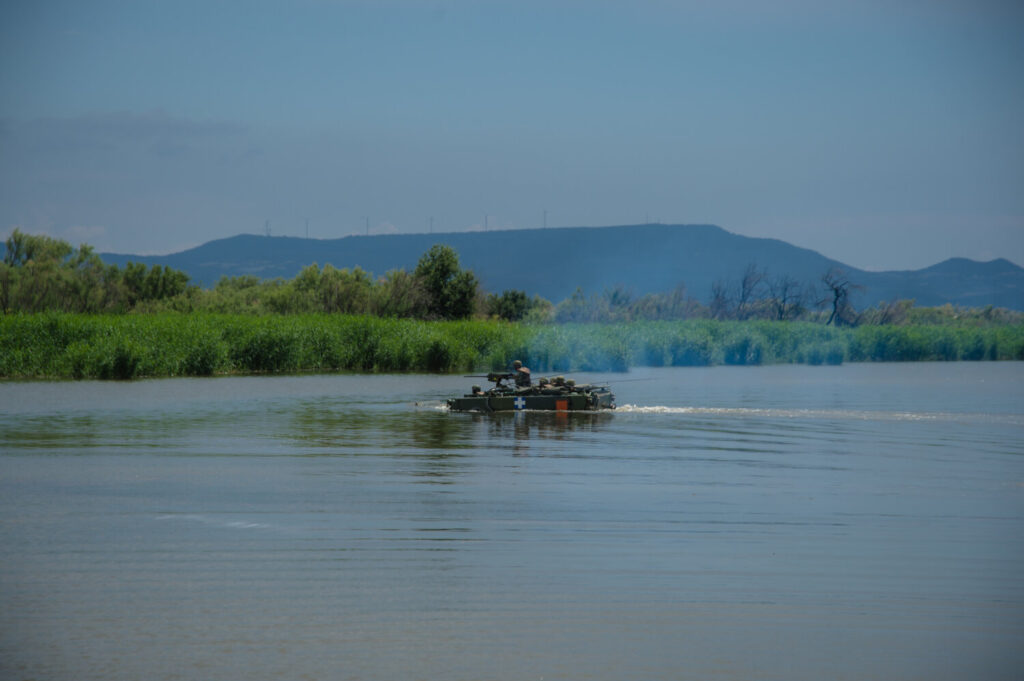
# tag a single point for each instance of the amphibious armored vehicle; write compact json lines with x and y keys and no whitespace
{"x":556,"y":395}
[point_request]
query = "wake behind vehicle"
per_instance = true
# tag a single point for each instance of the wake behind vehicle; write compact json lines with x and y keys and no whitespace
{"x":557,"y":395}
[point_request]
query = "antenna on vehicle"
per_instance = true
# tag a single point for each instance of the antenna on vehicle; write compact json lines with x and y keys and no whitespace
{"x":266,"y":227}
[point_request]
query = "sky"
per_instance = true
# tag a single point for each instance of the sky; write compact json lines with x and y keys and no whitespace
{"x":887,"y":135}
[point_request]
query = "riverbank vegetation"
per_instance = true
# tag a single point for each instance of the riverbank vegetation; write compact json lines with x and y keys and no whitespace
{"x":67,"y":345}
{"x":69,"y":315}
{"x":39,"y":274}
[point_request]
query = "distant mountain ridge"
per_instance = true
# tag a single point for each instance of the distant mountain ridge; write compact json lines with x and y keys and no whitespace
{"x":553,"y":262}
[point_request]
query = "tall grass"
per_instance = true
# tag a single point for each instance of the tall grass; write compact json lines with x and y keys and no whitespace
{"x":58,"y":345}
{"x":616,"y":347}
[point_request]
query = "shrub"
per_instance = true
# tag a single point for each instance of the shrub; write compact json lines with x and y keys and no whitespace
{"x":265,"y":348}
{"x":204,"y":356}
{"x":122,"y":362}
{"x":744,"y":347}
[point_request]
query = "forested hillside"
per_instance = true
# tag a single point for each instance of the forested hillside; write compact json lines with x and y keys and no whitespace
{"x":638,"y":259}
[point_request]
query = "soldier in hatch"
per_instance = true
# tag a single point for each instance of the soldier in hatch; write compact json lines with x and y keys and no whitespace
{"x":522,"y":375}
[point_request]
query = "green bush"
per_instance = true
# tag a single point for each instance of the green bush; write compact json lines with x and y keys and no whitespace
{"x":205,"y":354}
{"x":265,"y":348}
{"x":122,"y":362}
{"x":694,"y":348}
{"x":744,"y":347}
{"x":835,"y":353}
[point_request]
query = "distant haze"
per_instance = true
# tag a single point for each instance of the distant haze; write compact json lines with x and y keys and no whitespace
{"x":883,"y":135}
{"x":639,"y":259}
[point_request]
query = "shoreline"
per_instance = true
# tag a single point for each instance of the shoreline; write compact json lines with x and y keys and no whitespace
{"x":69,"y":346}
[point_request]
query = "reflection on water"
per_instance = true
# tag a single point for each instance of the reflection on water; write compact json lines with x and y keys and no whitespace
{"x":432,"y":428}
{"x":770,"y":523}
{"x":540,"y":424}
{"x":354,"y":428}
{"x":431,"y":434}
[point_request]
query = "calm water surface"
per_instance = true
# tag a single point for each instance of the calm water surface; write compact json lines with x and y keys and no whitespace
{"x":854,"y":522}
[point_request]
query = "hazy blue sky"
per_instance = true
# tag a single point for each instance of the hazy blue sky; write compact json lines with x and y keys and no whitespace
{"x":889,"y":135}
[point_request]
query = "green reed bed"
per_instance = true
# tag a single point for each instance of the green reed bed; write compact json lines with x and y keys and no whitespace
{"x":935,"y":343}
{"x":616,"y":347}
{"x":56,"y":345}
{"x":129,"y":346}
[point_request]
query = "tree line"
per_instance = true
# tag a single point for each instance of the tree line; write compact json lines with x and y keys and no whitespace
{"x":437,"y":289}
{"x":39,"y":273}
{"x":756,"y":295}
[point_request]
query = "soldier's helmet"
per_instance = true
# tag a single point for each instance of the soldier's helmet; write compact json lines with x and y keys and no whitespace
{"x":517,"y":364}
{"x":542,"y":381}
{"x":570,"y":382}
{"x":560,"y":380}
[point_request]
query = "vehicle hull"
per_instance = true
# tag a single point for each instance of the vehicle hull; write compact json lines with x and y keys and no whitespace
{"x":578,"y":401}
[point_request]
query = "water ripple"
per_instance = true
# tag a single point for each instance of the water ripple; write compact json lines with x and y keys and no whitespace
{"x":835,"y":414}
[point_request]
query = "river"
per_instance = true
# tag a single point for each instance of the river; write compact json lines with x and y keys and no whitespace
{"x":864,"y":521}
